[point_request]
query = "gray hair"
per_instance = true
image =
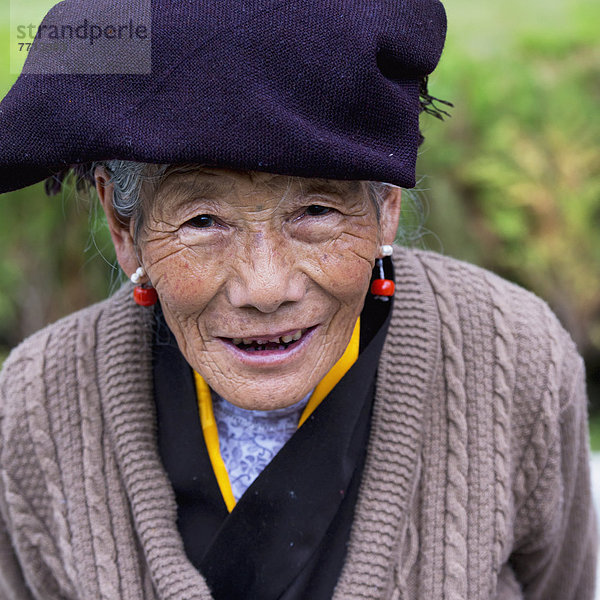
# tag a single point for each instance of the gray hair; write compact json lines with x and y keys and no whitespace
{"x":128,"y":178}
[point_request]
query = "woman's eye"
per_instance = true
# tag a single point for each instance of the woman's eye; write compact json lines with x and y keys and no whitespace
{"x":316,"y":210}
{"x":202,"y":221}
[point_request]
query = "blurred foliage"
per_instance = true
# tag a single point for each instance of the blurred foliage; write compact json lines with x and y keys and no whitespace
{"x":512,"y":179}
{"x":595,"y":432}
{"x":55,"y":259}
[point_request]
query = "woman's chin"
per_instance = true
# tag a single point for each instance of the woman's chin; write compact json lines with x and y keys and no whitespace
{"x":255,"y":400}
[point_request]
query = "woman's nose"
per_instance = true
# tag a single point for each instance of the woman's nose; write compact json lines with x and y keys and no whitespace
{"x":266,"y":277}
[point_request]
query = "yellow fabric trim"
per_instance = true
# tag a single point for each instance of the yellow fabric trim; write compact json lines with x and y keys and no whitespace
{"x":341,"y":367}
{"x":209,"y":425}
{"x":211,"y":437}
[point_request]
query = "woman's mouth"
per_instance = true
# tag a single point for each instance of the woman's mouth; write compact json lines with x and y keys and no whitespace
{"x":270,"y":349}
{"x":266,"y":344}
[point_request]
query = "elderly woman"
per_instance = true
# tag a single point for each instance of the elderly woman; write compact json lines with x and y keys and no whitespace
{"x":282,"y":405}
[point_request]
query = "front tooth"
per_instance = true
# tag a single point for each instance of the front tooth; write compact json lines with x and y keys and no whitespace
{"x":297,"y":336}
{"x":248,"y":341}
{"x":274,"y":340}
{"x":237,"y":341}
{"x":286,"y":339}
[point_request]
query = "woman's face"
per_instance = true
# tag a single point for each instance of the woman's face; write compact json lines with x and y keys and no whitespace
{"x":260,"y":277}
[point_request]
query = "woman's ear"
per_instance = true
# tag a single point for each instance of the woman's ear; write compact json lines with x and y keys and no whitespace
{"x":390,"y":215}
{"x":121,"y":231}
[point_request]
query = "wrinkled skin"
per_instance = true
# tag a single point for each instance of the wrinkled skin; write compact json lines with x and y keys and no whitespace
{"x":246,"y":254}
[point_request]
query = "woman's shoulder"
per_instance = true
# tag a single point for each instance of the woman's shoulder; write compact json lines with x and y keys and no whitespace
{"x":506,"y":360}
{"x":53,"y":351}
{"x":459,"y":278}
{"x":64,"y":327}
{"x":474,"y":290}
{"x":496,"y":321}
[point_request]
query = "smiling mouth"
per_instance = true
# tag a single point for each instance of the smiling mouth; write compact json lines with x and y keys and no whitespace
{"x":264,"y":344}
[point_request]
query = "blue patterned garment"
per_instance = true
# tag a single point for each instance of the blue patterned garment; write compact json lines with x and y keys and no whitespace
{"x":249,"y":439}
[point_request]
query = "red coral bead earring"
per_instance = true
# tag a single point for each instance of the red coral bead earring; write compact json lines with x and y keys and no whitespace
{"x":383,"y":288}
{"x":144,"y":296}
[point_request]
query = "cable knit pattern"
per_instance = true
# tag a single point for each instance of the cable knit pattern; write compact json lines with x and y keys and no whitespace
{"x":475,"y":483}
{"x":503,"y":386}
{"x":455,"y":542}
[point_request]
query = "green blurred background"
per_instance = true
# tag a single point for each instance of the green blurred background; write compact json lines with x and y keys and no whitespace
{"x":511,"y":181}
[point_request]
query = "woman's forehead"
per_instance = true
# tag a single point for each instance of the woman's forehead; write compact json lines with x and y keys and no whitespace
{"x":215,"y":182}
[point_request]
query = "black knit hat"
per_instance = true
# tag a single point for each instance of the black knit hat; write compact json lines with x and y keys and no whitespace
{"x":315,"y":88}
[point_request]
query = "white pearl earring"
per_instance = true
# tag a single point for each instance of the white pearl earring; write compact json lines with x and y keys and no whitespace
{"x":137,"y":276}
{"x":386,"y":250}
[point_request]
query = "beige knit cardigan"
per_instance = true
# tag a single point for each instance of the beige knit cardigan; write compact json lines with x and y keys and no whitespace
{"x":476,"y":483}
